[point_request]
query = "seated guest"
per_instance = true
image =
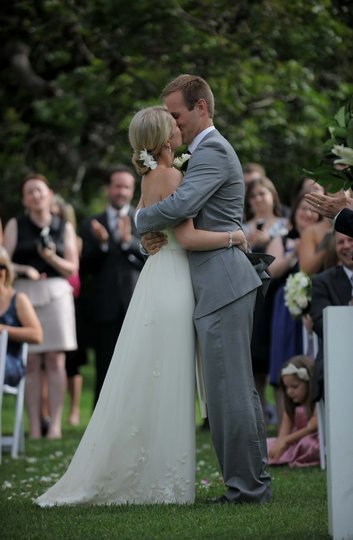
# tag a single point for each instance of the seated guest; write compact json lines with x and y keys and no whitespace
{"x":333,"y":287}
{"x":18,"y":317}
{"x":297,"y":444}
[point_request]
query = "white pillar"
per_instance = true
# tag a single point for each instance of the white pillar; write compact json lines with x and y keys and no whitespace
{"x":338,"y":370}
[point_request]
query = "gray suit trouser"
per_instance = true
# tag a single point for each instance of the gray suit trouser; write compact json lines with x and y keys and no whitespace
{"x":233,"y":405}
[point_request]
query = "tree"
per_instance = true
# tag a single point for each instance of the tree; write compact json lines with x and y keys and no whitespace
{"x":76,"y":71}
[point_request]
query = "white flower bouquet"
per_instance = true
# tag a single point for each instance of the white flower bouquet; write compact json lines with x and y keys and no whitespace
{"x":297,"y":294}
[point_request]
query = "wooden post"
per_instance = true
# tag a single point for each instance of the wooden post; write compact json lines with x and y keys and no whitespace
{"x":338,"y":370}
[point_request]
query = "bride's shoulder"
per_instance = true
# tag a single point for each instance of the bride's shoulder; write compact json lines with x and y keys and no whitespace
{"x":174,"y":178}
{"x":169,"y":175}
{"x":174,"y":173}
{"x":161,"y":182}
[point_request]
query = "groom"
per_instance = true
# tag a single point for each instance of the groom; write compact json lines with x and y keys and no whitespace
{"x":225,"y":286}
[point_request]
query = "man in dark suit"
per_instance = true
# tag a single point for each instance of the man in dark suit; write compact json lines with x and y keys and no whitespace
{"x":339,"y":208}
{"x":110,"y":265}
{"x":332,"y":287}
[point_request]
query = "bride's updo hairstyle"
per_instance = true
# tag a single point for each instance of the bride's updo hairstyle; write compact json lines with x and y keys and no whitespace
{"x":149,"y":130}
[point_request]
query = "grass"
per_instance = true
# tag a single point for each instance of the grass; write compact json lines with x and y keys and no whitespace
{"x":298,"y":509}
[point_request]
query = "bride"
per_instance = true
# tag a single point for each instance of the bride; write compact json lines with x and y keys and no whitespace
{"x":138,"y":447}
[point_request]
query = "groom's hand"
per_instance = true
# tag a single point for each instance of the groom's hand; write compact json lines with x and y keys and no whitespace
{"x":153,"y":241}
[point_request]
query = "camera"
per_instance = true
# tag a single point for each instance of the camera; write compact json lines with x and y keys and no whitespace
{"x":260,"y":224}
{"x":45,"y":239}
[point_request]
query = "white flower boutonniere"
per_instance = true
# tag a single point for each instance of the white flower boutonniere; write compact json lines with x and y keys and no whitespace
{"x":180,"y":161}
{"x":147,"y":159}
{"x":297,"y":294}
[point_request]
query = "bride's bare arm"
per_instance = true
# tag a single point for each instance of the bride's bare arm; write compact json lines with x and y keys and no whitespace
{"x":186,"y":234}
{"x":201,"y":240}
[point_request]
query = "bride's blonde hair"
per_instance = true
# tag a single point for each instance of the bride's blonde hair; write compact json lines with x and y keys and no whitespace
{"x":149,"y":130}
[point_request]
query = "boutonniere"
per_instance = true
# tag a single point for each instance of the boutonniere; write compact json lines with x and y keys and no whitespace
{"x":181,"y":162}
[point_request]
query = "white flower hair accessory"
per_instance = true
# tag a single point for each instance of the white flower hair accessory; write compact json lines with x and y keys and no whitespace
{"x":180,"y":160}
{"x":147,"y":159}
{"x":301,"y":372}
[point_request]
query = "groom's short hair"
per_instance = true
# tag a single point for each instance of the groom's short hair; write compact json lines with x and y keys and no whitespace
{"x":193,"y":88}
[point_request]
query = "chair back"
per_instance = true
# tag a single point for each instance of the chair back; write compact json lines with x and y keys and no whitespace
{"x":15,"y":441}
{"x":3,"y":350}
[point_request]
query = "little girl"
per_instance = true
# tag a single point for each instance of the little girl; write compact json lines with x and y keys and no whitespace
{"x":297,"y":444}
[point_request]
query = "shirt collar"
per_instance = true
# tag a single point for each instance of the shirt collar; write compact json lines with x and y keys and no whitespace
{"x":192,"y":147}
{"x":349,"y":273}
{"x":114,"y":212}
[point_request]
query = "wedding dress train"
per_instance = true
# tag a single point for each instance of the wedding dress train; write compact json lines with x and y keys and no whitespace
{"x":139,"y":446}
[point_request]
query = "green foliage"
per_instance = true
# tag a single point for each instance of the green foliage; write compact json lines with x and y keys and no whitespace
{"x":278,"y":71}
{"x":341,"y":134}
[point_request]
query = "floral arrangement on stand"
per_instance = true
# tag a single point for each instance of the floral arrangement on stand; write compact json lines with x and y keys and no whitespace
{"x":297,"y":294}
{"x":335,"y":171}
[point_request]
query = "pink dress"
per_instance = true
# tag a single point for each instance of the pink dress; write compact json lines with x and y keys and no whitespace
{"x":303,"y":453}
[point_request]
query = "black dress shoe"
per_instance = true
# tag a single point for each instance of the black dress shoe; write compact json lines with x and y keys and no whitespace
{"x":205,"y":425}
{"x":222,"y":500}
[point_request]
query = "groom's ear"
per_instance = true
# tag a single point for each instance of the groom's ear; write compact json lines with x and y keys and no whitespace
{"x":202,"y":106}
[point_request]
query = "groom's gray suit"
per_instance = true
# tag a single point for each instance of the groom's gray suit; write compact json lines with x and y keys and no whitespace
{"x":225,"y":285}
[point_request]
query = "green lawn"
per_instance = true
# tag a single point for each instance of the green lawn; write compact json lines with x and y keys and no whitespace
{"x":298,"y":509}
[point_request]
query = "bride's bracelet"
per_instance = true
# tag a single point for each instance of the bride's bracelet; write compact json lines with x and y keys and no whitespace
{"x":230,"y":239}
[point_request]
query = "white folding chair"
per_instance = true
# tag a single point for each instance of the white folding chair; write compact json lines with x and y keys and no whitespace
{"x":16,"y":440}
{"x":3,"y":349}
{"x":311,"y":347}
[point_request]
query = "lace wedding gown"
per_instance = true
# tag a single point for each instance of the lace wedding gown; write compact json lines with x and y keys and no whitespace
{"x":139,"y":446}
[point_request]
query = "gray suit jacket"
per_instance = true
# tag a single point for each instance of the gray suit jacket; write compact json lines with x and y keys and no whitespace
{"x":212,"y":193}
{"x":329,"y":288}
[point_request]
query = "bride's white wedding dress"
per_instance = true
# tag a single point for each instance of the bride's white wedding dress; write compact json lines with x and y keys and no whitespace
{"x":139,"y":446}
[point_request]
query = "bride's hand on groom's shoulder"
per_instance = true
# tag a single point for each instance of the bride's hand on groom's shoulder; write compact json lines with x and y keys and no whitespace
{"x":153,"y":241}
